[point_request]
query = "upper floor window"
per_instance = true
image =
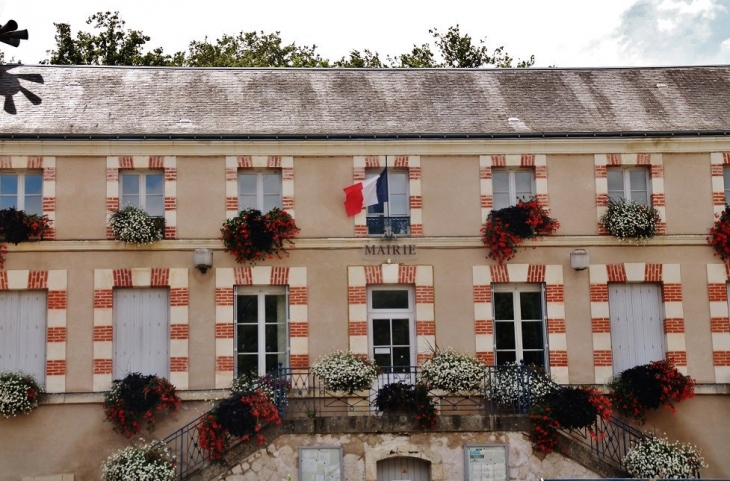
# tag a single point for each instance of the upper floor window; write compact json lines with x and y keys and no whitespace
{"x":145,"y":190}
{"x":23,"y":191}
{"x":259,"y":190}
{"x":511,"y":185}
{"x":393,"y":216}
{"x":631,"y":184}
{"x":726,"y":182}
{"x":261,"y":334}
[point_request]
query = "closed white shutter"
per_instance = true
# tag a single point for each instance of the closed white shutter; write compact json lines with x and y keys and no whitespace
{"x":637,"y":336}
{"x":23,"y":332}
{"x":141,"y":332}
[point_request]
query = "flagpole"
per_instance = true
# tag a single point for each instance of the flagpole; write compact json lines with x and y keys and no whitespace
{"x":389,"y":230}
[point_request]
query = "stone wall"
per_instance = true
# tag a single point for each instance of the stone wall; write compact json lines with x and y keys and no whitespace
{"x":361,"y":452}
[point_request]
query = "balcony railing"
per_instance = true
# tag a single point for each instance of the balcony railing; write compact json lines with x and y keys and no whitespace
{"x":504,"y":390}
{"x":389,"y":226}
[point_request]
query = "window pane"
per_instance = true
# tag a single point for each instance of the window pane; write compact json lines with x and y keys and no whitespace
{"x":401,"y":335}
{"x":398,"y":205}
{"x":275,"y":308}
{"x":248,"y":308}
{"x":8,"y":201}
{"x":504,"y":333}
{"x":130,"y":184}
{"x":247,"y":363}
{"x":534,"y":358}
{"x":248,"y":338}
{"x":382,"y":359}
{"x":381,"y":332}
{"x":155,"y":205}
{"x":247,"y":183}
{"x":726,"y":178}
{"x":500,"y":201}
{"x":272,"y":184}
{"x":637,"y":180}
{"x":275,"y":337}
{"x":398,"y":183}
{"x":154,"y":184}
{"x":271,"y":201}
{"x":532,"y":335}
{"x":247,"y":202}
{"x":523,"y":185}
{"x":615,"y":184}
{"x":273,"y":361}
{"x":506,"y":357}
{"x":34,"y":205}
{"x":640,"y":197}
{"x":500,"y":182}
{"x":503,"y":306}
{"x":9,"y":184}
{"x":390,"y":299}
{"x":33,"y":184}
{"x":530,"y":306}
{"x":401,"y":356}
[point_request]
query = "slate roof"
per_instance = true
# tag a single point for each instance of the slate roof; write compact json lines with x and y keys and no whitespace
{"x":180,"y":102}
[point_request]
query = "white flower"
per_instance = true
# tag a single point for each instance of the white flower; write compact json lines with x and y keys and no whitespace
{"x":133,"y":225}
{"x":345,"y":371}
{"x":658,"y":458}
{"x":452,"y":371}
{"x":146,"y":462}
{"x":629,"y":220}
{"x":514,"y":384}
{"x":18,"y":394}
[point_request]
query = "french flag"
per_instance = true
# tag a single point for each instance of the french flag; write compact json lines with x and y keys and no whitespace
{"x":369,"y":192}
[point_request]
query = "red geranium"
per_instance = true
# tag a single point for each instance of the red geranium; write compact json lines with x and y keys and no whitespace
{"x":252,"y":236}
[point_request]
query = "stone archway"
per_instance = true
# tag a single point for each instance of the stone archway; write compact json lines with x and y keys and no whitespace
{"x":402,"y":450}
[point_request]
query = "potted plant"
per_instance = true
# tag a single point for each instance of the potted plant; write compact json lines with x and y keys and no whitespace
{"x":657,"y":458}
{"x":252,"y":236}
{"x":346,"y":372}
{"x":629,"y":220}
{"x":518,"y":385}
{"x":136,"y":400}
{"x":506,"y":229}
{"x":135,"y":226}
{"x":16,"y":226}
{"x":401,"y":397}
{"x":719,"y":237}
{"x":18,"y":393}
{"x":648,"y":387}
{"x":146,"y":461}
{"x":239,"y":416}
{"x":452,"y":371}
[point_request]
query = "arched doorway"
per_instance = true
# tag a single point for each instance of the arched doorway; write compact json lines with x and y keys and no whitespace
{"x":404,"y":469}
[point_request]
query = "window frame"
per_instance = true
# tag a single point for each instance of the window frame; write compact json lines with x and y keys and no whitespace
{"x":726,"y":183}
{"x":260,"y":193}
{"x":261,"y":292}
{"x":20,"y":195}
{"x":519,"y":349}
{"x":626,"y":182}
{"x":409,"y":312}
{"x":142,"y":189}
{"x":393,"y":225}
{"x":512,"y":185}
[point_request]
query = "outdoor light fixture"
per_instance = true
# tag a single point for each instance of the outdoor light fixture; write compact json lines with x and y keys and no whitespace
{"x":203,"y":259}
{"x":579,"y":259}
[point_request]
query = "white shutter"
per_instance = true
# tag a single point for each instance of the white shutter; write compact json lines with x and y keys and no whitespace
{"x":636,"y":324}
{"x":23,"y":332}
{"x":141,"y":332}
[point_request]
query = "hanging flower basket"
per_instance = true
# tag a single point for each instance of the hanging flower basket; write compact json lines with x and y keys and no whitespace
{"x":401,"y":397}
{"x":719,"y":237}
{"x":452,"y":371}
{"x":18,"y":394}
{"x":344,"y":371}
{"x":628,"y":220}
{"x":252,"y":236}
{"x":134,"y":226}
{"x":146,"y":461}
{"x":16,"y":226}
{"x":506,"y":229}
{"x":656,"y":458}
{"x":136,"y":400}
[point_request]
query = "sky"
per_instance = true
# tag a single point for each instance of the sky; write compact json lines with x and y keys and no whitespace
{"x":560,"y":33}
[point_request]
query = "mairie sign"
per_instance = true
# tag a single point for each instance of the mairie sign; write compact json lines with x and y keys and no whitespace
{"x":377,"y":250}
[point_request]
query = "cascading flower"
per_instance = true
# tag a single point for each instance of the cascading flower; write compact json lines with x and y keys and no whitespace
{"x":18,"y":394}
{"x":629,"y":220}
{"x":252,"y":236}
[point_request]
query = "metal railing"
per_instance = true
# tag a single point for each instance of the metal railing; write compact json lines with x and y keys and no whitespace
{"x":503,"y":390}
{"x":389,"y":226}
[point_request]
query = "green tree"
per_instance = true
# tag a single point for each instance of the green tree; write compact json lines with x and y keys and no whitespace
{"x":112,"y":45}
{"x":364,"y":59}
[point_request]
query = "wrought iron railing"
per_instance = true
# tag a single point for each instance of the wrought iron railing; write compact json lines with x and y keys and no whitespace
{"x":389,"y":226}
{"x":503,"y":390}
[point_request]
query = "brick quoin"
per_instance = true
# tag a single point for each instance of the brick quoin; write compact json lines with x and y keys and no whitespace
{"x":122,"y":277}
{"x":298,"y":296}
{"x":601,"y":171}
{"x":156,"y":162}
{"x":357,"y":295}
{"x":49,"y":204}
{"x":170,"y":203}
{"x":37,"y":279}
{"x":541,"y":172}
{"x":5,"y":162}
{"x":407,"y":275}
{"x":602,"y":358}
{"x":224,"y":363}
{"x":542,"y":200}
{"x":717,"y":170}
{"x":103,"y":333}
{"x":499,"y":160}
{"x":242,"y":276}
{"x":178,"y":364}
{"x":675,"y":326}
{"x":170,"y":175}
{"x":170,"y":232}
{"x":287,"y":173}
{"x":726,"y":157}
{"x":179,"y":296}
{"x":401,"y":161}
{"x":717,"y":292}
{"x":416,"y":230}
{"x":679,"y":357}
{"x":279,"y":276}
{"x":424,"y":294}
{"x":112,"y":203}
{"x":126,"y":162}
{"x":224,"y":331}
{"x":483,"y":327}
{"x":414,"y":173}
{"x":482,"y":293}
{"x":102,"y":366}
{"x":536,"y":273}
{"x":3,"y":280}
{"x":56,"y":334}
{"x":555,"y":292}
{"x":613,"y":159}
{"x":600,"y":324}
{"x":231,"y":174}
{"x":616,"y":273}
{"x":358,"y":173}
{"x":718,"y":198}
{"x":486,"y":201}
{"x":372,"y":162}
{"x":558,"y":358}
{"x":179,"y":331}
{"x":653,"y":273}
{"x":35,"y":162}
{"x":299,"y":329}
{"x":657,"y":171}
{"x":160,"y":277}
{"x":658,"y":200}
{"x":499,"y":273}
{"x":245,"y":162}
{"x":599,"y":292}
{"x":721,"y":358}
{"x":357,"y":328}
{"x":56,"y":367}
{"x":223,"y":296}
{"x":415,"y":202}
{"x":361,"y":231}
{"x":299,"y":360}
{"x":420,"y":358}
{"x":56,"y":299}
{"x":643,"y":159}
{"x":527,"y":160}
{"x":672,"y":292}
{"x":719,"y":324}
{"x":103,"y":298}
{"x":485,"y":173}
{"x":556,"y":326}
{"x":425,"y":328}
{"x":373,"y":275}
{"x":287,"y":203}
{"x":486,"y":357}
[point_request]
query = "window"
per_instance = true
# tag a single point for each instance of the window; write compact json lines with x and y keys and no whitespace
{"x":393,"y":216}
{"x":259,"y":190}
{"x":630,"y":184}
{"x":726,"y":182}
{"x":509,"y":186}
{"x":23,"y":333}
{"x":391,"y":318}
{"x":141,"y":341}
{"x":636,"y":324}
{"x":519,"y":324}
{"x":261,"y":334}
{"x":24,"y":191}
{"x":145,"y":190}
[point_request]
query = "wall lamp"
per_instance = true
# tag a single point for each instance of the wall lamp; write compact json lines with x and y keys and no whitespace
{"x":579,"y":259}
{"x":203,"y":259}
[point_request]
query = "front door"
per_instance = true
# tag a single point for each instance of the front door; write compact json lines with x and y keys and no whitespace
{"x":404,"y":469}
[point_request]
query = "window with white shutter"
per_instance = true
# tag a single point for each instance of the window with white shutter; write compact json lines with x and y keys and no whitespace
{"x":23,"y":333}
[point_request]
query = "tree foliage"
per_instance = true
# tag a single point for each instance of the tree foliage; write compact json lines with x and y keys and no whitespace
{"x":111,"y":44}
